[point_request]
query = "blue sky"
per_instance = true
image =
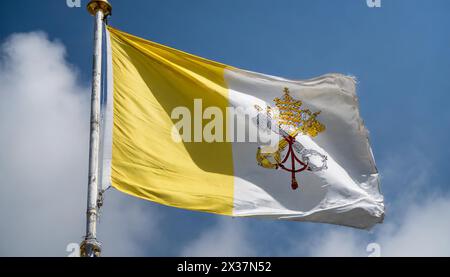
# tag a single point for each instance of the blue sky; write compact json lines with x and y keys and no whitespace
{"x":400,"y":54}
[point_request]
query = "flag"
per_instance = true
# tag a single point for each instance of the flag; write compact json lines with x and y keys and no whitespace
{"x":192,"y":133}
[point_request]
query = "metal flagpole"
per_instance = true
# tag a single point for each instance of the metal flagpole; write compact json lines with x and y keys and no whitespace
{"x":90,"y":247}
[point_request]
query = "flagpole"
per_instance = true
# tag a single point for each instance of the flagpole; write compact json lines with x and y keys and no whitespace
{"x":90,"y":247}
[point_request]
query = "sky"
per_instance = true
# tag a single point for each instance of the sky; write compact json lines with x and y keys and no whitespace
{"x":399,"y":53}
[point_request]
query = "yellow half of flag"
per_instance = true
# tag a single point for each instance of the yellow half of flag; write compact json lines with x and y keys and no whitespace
{"x":150,"y":80}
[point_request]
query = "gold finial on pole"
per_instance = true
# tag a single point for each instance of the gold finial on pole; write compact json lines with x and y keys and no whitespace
{"x":94,"y":5}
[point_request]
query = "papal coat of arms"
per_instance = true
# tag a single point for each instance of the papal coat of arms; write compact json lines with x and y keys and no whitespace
{"x":289,"y":120}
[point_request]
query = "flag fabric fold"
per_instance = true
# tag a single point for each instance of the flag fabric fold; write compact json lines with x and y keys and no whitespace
{"x":304,"y":153}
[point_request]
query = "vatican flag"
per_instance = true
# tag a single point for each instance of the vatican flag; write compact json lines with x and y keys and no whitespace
{"x":188,"y":132}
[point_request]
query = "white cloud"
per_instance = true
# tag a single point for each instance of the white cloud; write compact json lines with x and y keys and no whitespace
{"x":336,"y":244}
{"x":416,"y":224}
{"x":423,"y":231}
{"x":227,"y":238}
{"x":44,"y":121}
{"x":127,"y":226}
